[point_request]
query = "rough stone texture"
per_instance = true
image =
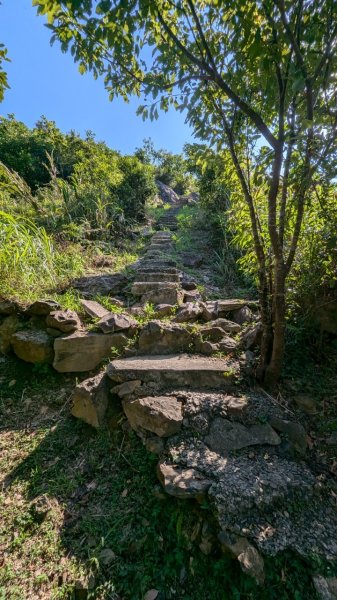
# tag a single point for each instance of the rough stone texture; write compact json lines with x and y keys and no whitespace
{"x":326,"y":587}
{"x":161,"y":415}
{"x":8,"y":307}
{"x":225,"y":436}
{"x":226,"y":325}
{"x":179,"y":370}
{"x":113,"y":322}
{"x":243,"y":315}
{"x":163,"y":296}
{"x":166,"y":193}
{"x":192,"y":261}
{"x":53,"y":332}
{"x":188,"y":313}
{"x":94,"y":309}
{"x":43,"y":307}
{"x":8,"y":327}
{"x":139,"y":288}
{"x":306,"y":403}
{"x":251,"y":336}
{"x":250,"y":560}
{"x":163,"y":310}
{"x":66,"y":321}
{"x":33,"y":346}
{"x":157,"y":277}
{"x":295,"y":433}
{"x":182,"y":483}
{"x":158,"y":264}
{"x":163,"y":338}
{"x":192,"y":296}
{"x":105,"y":285}
{"x":212,"y":333}
{"x":83,"y":351}
{"x":126,"y":389}
{"x":90,"y":400}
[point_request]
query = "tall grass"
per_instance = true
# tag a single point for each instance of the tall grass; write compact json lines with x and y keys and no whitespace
{"x":30,"y":264}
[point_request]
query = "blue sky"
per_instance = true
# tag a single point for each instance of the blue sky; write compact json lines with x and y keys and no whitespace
{"x":44,"y":81}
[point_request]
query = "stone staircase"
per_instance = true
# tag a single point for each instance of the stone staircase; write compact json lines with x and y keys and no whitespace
{"x":218,"y":442}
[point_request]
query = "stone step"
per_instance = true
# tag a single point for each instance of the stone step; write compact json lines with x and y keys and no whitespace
{"x":157,"y":264}
{"x":196,"y":372}
{"x":142,"y":287}
{"x":157,"y":276}
{"x":172,"y":270}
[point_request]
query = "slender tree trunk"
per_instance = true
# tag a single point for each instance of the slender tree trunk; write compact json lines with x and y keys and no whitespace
{"x":274,"y":366}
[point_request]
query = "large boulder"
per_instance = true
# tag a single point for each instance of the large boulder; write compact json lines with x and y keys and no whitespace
{"x":164,"y":338}
{"x":33,"y":346}
{"x":66,"y":321}
{"x":103,"y":285}
{"x":83,"y":351}
{"x":166,"y":193}
{"x":161,"y":415}
{"x":165,"y":295}
{"x":8,"y":307}
{"x":188,"y":312}
{"x":90,"y":400}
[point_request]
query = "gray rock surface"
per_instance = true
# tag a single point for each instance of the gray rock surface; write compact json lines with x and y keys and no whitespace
{"x":33,"y":346}
{"x":161,"y":415}
{"x":83,"y":351}
{"x":90,"y":400}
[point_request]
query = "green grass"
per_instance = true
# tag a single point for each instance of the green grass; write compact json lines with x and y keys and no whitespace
{"x":79,"y":505}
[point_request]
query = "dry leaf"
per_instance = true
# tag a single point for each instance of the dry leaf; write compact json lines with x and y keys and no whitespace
{"x":151,"y":595}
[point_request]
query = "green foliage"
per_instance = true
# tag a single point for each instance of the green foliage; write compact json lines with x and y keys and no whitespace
{"x":171,"y":169}
{"x":29,"y":262}
{"x":3,"y":75}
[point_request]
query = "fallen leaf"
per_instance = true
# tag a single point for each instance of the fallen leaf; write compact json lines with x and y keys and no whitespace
{"x":11,"y":383}
{"x":124,"y":493}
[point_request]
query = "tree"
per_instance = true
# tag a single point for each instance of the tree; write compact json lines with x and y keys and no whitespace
{"x":248,"y":73}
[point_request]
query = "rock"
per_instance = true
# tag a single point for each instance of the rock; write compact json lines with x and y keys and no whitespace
{"x":225,"y":436}
{"x":126,"y":389}
{"x":192,"y":296}
{"x":227,"y":344}
{"x":103,"y":285}
{"x":43,"y":307}
{"x":188,"y":284}
{"x":226,"y":325}
{"x":236,"y":406}
{"x":226,"y":306}
{"x":163,"y":310}
{"x":163,"y":296}
{"x":90,"y":400}
{"x":306,"y":403}
{"x":326,"y":587}
{"x":192,"y":261}
{"x":294,"y":431}
{"x":250,"y":559}
{"x":94,"y":309}
{"x":196,"y":372}
{"x":7,"y":328}
{"x":53,"y":332}
{"x":251,"y":336}
{"x":155,"y":445}
{"x":8,"y":307}
{"x":33,"y":346}
{"x":183,"y":483}
{"x":205,"y":347}
{"x":209,"y":311}
{"x":113,"y":322}
{"x":187,"y":313}
{"x":243,"y":315}
{"x":157,"y":337}
{"x":166,"y":193}
{"x":157,"y":277}
{"x":161,"y":415}
{"x":84,"y":351}
{"x":66,"y":321}
{"x":212,"y":333}
{"x":139,"y":288}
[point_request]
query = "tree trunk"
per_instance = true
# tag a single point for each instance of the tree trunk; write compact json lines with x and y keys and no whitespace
{"x":274,"y":367}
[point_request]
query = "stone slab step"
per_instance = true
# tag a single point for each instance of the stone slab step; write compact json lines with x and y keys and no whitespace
{"x":171,"y":270}
{"x":158,"y":264}
{"x":141,"y":287}
{"x":196,"y":372}
{"x":157,"y":276}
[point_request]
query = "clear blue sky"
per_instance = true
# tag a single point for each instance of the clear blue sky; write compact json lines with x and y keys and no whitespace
{"x":44,"y":81}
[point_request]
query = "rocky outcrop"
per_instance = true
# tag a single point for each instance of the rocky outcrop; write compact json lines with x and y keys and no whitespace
{"x":66,"y":321}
